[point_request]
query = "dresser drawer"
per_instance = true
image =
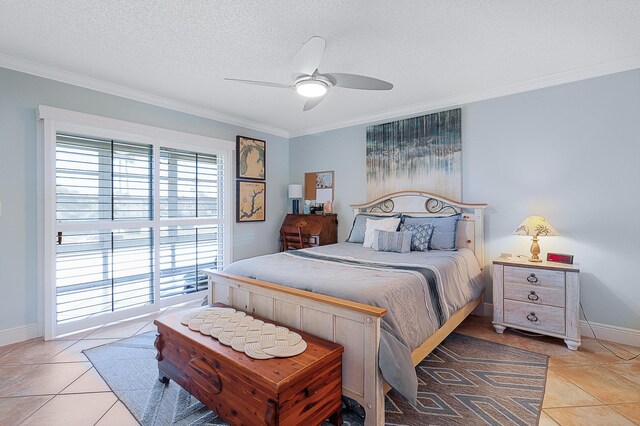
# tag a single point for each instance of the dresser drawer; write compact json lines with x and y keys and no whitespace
{"x":533,"y":277}
{"x":544,"y":318}
{"x":538,"y":295}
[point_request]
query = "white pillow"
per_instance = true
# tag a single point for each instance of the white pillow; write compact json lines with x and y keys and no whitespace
{"x":389,"y":224}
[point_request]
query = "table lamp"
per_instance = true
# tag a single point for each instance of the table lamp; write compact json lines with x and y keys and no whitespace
{"x":295,"y":193}
{"x":535,"y":226}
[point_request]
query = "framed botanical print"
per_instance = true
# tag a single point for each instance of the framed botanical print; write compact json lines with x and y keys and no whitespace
{"x":251,"y":201}
{"x":251,"y":157}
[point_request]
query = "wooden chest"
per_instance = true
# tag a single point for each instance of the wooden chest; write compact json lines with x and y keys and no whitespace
{"x":316,"y":229}
{"x":305,"y":389}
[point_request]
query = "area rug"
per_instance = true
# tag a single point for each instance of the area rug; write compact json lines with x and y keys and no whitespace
{"x":465,"y":381}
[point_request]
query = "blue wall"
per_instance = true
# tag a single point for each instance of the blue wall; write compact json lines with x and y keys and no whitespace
{"x":570,"y":153}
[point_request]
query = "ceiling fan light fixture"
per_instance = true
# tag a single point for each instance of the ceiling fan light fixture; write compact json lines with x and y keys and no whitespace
{"x":312,"y":88}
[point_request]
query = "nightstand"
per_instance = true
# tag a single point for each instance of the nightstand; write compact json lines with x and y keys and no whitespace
{"x":540,"y":297}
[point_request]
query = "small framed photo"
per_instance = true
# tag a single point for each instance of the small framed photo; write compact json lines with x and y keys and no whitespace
{"x":251,"y":201}
{"x":251,"y":158}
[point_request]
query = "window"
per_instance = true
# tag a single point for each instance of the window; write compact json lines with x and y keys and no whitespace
{"x":132,"y":220}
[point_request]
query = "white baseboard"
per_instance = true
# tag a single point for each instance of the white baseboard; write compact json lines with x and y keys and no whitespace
{"x":611,"y":333}
{"x":18,"y":334}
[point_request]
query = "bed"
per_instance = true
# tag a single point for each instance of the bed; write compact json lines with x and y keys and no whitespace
{"x":388,"y":310}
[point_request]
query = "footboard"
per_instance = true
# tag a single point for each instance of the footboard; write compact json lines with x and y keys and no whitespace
{"x":353,"y":325}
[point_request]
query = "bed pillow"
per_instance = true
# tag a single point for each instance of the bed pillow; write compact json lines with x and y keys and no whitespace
{"x":387,"y":224}
{"x":444,"y":230}
{"x":420,"y":235}
{"x":359,"y":226}
{"x":398,"y":242}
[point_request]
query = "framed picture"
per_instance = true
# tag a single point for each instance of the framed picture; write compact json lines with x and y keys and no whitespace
{"x":251,"y":201}
{"x":251,"y":157}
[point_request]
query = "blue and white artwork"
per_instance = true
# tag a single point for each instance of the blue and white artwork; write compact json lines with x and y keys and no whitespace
{"x":421,"y":153}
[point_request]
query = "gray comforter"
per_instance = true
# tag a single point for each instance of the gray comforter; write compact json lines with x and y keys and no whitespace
{"x":419,"y":290}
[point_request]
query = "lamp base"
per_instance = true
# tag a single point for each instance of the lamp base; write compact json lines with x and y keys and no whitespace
{"x":535,"y":250}
{"x":295,"y":208}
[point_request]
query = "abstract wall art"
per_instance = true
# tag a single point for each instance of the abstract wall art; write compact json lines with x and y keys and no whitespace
{"x":420,"y":153}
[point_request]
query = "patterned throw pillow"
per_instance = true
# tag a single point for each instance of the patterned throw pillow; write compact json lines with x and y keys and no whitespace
{"x":421,"y":235}
{"x":399,"y":242}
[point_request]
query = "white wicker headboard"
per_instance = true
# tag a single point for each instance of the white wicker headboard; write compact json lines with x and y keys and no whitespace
{"x":418,"y":203}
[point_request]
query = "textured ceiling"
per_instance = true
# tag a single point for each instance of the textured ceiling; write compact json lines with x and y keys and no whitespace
{"x":430,"y":50}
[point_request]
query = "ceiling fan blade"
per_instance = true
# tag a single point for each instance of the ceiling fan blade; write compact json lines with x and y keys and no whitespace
{"x":261,"y":83}
{"x":308,"y":58}
{"x":312,"y":102}
{"x":355,"y":81}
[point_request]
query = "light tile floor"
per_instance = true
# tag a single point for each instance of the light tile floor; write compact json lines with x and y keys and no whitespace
{"x":52,"y":383}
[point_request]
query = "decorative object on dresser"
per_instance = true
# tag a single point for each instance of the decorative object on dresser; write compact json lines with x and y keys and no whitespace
{"x":542,"y":297}
{"x":423,"y":153}
{"x":251,"y":201}
{"x":316,"y":229}
{"x":295,"y":194}
{"x":304,"y":389}
{"x":251,"y":158}
{"x":535,"y":226}
{"x":291,"y":238}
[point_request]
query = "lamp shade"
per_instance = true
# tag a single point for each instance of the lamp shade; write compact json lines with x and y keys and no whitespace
{"x":295,"y":191}
{"x":535,"y":226}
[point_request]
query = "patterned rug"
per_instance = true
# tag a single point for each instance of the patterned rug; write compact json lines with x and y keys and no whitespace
{"x":465,"y":381}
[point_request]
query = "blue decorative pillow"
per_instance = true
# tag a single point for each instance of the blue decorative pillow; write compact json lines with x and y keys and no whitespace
{"x":420,"y":235}
{"x":444,"y":230}
{"x":399,"y":242}
{"x":360,"y":225}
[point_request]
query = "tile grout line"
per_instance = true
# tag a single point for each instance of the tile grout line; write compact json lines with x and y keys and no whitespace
{"x":108,"y":409}
{"x":41,"y":407}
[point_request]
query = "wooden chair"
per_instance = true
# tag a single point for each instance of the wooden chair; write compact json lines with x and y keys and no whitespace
{"x":291,"y":238}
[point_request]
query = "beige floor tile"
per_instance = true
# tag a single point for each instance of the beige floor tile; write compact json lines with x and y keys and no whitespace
{"x":627,"y":370}
{"x":87,"y":383}
{"x":73,"y":410}
{"x":630,"y":411}
{"x":560,"y":392}
{"x":118,"y":331}
{"x":35,"y":352}
{"x":602,"y":383}
{"x":74,"y":352}
{"x":78,"y":335}
{"x":588,"y":416}
{"x":546,"y":420}
{"x":44,"y":379}
{"x":8,"y":348}
{"x":15,"y":410}
{"x":118,"y":415}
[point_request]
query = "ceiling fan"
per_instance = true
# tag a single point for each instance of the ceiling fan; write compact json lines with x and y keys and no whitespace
{"x":312,"y":84}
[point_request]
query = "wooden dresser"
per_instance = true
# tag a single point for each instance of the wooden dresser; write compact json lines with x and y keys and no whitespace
{"x":302,"y":390}
{"x":539,"y":297}
{"x":317,"y":229}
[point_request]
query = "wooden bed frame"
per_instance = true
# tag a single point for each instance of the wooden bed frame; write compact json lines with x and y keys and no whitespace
{"x":355,"y":326}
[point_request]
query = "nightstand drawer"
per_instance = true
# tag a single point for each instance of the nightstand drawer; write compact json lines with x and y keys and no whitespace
{"x":533,"y":277}
{"x":544,"y":318}
{"x":533,"y":294}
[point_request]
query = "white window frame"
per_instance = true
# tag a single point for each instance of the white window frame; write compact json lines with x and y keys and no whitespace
{"x":55,"y":120}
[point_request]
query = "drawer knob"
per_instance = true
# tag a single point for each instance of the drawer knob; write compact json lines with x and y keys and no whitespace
{"x":532,"y":296}
{"x":532,"y":317}
{"x":532,"y":279}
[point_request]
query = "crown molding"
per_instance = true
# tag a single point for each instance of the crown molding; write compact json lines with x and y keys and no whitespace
{"x":578,"y":74}
{"x":584,"y":73}
{"x":68,"y":77}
